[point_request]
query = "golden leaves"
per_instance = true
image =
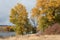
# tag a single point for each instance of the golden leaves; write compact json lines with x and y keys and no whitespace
{"x":47,"y":3}
{"x":48,"y":6}
{"x":35,"y":12}
{"x":18,"y":14}
{"x":48,"y":11}
{"x":19,"y":17}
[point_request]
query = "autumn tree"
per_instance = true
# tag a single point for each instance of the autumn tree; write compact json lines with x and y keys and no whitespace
{"x":29,"y":29}
{"x":47,"y":13}
{"x":19,"y":18}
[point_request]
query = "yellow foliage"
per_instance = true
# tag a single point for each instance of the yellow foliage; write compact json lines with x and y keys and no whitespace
{"x":46,"y":9}
{"x":48,"y":3}
{"x":35,"y":12}
{"x":19,"y":17}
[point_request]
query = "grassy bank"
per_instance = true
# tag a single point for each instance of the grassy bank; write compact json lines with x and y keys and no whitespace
{"x":33,"y":37}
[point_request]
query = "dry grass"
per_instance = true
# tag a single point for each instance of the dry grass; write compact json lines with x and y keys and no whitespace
{"x":33,"y":37}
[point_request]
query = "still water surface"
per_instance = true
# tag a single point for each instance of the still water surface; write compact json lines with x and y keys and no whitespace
{"x":6,"y":34}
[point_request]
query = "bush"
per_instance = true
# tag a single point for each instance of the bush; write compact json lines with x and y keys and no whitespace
{"x":54,"y":29}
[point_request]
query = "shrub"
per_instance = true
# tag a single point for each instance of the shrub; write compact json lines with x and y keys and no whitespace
{"x":54,"y":29}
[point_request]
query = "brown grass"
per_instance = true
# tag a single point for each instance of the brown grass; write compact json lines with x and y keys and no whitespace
{"x":33,"y":37}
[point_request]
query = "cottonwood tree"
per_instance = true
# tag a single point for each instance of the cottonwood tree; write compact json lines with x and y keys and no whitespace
{"x":19,"y":18}
{"x":47,"y":12}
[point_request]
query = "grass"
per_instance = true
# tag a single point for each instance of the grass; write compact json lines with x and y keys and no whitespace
{"x":33,"y":37}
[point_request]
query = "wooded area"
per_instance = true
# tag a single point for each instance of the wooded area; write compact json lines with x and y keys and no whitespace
{"x":46,"y":13}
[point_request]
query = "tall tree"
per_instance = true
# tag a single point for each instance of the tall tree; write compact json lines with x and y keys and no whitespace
{"x":19,"y":18}
{"x":48,"y":12}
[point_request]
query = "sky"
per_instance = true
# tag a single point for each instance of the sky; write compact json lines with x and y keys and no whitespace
{"x":6,"y":5}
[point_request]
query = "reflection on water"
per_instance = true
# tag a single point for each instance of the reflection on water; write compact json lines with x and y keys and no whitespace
{"x":6,"y":34}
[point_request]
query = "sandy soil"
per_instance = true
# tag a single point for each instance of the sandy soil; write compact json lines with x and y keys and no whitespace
{"x":33,"y":37}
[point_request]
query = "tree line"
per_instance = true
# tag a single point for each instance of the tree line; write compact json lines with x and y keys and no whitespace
{"x":46,"y":13}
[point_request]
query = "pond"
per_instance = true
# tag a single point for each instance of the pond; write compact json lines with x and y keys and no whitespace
{"x":7,"y":34}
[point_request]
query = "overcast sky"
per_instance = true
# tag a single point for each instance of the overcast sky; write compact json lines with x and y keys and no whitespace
{"x":6,"y":5}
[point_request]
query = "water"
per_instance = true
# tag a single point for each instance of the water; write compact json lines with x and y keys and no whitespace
{"x":6,"y":34}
